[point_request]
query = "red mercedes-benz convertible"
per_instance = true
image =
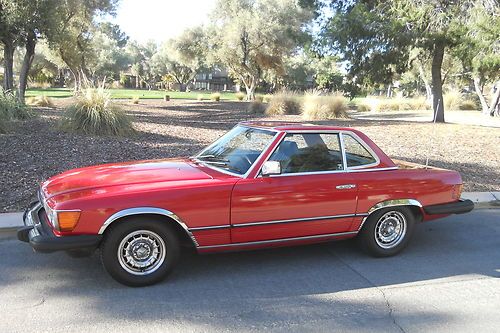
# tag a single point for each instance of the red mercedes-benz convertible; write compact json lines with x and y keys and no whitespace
{"x":262,"y":184}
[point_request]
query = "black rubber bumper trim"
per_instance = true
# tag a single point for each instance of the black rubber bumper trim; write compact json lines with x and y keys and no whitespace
{"x":47,"y":243}
{"x":41,"y":238}
{"x":459,"y":207}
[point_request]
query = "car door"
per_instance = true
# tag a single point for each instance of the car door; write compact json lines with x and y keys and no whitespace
{"x":312,"y":196}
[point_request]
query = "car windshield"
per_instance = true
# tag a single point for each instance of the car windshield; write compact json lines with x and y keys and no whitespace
{"x":237,"y":150}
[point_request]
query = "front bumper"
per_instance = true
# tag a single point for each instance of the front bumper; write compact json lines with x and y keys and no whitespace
{"x":38,"y":233}
{"x":458,"y":207}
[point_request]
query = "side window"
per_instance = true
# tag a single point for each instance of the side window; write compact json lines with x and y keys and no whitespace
{"x":309,"y":153}
{"x":356,"y":154}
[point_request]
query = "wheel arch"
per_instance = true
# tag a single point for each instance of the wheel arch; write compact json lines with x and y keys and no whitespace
{"x":164,"y":214}
{"x":414,"y":205}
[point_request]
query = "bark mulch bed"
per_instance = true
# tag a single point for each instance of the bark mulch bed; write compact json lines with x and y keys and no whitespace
{"x":36,"y":149}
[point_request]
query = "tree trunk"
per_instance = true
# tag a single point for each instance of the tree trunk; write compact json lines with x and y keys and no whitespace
{"x":27,"y":61}
{"x":8,"y":58}
{"x":428,"y":89}
{"x":437,"y":83}
{"x":250,"y":88}
{"x":479,"y":92}
{"x":495,"y":101}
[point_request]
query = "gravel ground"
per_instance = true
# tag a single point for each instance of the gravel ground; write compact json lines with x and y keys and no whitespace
{"x":33,"y":150}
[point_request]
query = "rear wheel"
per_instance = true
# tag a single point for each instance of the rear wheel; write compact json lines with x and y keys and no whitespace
{"x":387,"y":232}
{"x":140,"y":251}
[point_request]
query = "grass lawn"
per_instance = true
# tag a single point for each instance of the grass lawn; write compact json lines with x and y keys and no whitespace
{"x":129,"y":93}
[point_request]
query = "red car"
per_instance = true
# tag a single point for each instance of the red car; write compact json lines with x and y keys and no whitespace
{"x":262,"y":184}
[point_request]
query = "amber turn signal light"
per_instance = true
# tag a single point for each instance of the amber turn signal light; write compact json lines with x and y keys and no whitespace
{"x":456,"y":192}
{"x":67,"y":220}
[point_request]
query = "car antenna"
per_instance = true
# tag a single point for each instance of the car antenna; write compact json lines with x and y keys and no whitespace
{"x":432,"y":135}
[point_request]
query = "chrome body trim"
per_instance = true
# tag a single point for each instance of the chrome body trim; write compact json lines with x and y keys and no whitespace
{"x":390,"y":203}
{"x":211,"y":227}
{"x":342,"y":151}
{"x":345,"y":186}
{"x":305,"y":219}
{"x":251,"y":224}
{"x":272,"y":241}
{"x":147,"y":210}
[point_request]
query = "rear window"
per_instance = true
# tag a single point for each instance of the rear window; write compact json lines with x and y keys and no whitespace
{"x":356,"y":154}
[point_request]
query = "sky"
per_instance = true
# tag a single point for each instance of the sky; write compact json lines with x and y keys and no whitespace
{"x":160,"y":20}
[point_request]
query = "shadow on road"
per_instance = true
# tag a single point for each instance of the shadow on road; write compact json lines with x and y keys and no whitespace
{"x":262,"y":287}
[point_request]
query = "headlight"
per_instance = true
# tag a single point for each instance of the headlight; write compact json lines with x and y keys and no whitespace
{"x":62,"y":220}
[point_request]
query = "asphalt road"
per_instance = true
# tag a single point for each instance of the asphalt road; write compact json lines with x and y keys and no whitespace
{"x":447,"y":280}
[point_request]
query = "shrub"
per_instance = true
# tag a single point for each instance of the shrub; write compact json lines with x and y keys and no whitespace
{"x":199,"y":97}
{"x":41,"y":101}
{"x":259,"y":98}
{"x":135,"y":99}
{"x":93,"y":113}
{"x":284,"y":102}
{"x":240,"y":96}
{"x":393,"y":104}
{"x":363,"y":107}
{"x":468,"y":104}
{"x":267,"y":98}
{"x":323,"y":107}
{"x":452,"y":99}
{"x":10,"y":108}
{"x":256,"y":107}
{"x":420,"y":103}
{"x":215,"y":97}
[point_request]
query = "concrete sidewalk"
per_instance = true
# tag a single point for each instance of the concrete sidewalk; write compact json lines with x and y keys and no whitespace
{"x":480,"y":199}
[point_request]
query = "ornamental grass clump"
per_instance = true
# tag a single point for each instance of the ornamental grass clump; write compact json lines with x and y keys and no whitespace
{"x":240,"y":96}
{"x":283,"y":103}
{"x":40,"y":101}
{"x":452,"y":99}
{"x":215,"y":97}
{"x":256,"y":107}
{"x":323,"y":107}
{"x":94,"y":114}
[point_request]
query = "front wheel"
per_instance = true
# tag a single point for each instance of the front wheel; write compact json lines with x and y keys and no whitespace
{"x":387,"y":232}
{"x":140,"y":251}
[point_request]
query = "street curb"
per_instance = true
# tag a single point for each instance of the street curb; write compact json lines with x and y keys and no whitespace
{"x":482,"y":200}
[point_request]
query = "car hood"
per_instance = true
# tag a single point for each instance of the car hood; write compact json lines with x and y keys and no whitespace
{"x":119,"y":174}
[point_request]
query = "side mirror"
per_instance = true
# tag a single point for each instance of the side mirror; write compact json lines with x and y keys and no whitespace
{"x":271,"y":168}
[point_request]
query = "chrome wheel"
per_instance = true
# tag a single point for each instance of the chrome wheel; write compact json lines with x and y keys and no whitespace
{"x":141,"y":252}
{"x":390,"y":229}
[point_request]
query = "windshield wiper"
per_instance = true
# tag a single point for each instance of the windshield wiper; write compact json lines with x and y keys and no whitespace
{"x":211,"y":158}
{"x":224,"y":165}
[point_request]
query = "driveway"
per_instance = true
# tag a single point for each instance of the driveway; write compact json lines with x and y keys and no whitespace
{"x":447,"y":280}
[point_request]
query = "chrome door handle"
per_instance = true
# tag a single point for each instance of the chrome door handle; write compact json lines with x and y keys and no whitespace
{"x":345,"y":186}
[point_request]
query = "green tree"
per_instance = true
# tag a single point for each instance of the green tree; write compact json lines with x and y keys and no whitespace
{"x":480,"y":53}
{"x":250,"y":37}
{"x":376,"y":37}
{"x":181,"y":58}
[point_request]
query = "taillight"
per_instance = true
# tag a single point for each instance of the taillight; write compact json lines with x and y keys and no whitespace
{"x":456,"y":191}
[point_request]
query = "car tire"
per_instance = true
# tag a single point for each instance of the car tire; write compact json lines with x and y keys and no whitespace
{"x":386,"y":232}
{"x":140,"y":251}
